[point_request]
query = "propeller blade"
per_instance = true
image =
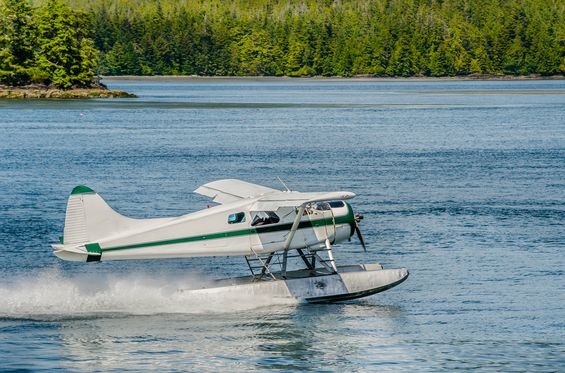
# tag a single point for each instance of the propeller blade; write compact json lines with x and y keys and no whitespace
{"x":361,"y":239}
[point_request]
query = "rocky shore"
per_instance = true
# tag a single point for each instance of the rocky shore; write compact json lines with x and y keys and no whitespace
{"x":30,"y":92}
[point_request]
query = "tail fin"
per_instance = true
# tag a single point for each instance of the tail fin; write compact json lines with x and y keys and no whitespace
{"x":89,"y":220}
{"x":89,"y":217}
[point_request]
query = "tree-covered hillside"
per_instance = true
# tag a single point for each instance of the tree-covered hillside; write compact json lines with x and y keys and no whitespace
{"x":329,"y":37}
{"x":49,"y":42}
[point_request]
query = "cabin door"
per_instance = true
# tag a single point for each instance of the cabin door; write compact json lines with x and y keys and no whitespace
{"x":268,"y":237}
{"x":323,"y":222}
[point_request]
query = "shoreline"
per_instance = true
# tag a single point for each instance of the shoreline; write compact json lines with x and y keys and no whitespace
{"x":55,"y":93}
{"x":99,"y":91}
{"x":360,"y":78}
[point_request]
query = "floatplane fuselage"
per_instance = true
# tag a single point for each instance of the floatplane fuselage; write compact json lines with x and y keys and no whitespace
{"x":250,"y":220}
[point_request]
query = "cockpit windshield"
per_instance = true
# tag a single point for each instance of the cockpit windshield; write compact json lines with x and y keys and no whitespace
{"x":337,"y":204}
{"x":264,"y":218}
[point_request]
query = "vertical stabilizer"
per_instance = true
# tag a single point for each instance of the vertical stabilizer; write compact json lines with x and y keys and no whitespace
{"x":89,"y":217}
{"x":89,"y":221}
{"x":75,"y":220}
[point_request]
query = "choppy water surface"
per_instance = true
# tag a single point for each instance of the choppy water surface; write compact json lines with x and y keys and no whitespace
{"x":461,"y":182}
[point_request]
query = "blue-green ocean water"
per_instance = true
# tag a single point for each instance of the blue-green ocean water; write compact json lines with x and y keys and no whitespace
{"x":462,"y":182}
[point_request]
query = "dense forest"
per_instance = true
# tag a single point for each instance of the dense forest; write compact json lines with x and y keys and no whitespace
{"x":329,"y":37}
{"x":66,"y":43}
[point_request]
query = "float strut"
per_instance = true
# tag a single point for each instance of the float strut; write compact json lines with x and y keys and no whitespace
{"x":266,"y":264}
{"x":283,"y":269}
{"x":331,"y":255}
{"x":308,"y":264}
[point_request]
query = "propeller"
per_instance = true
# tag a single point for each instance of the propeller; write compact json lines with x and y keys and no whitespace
{"x":358,"y":218}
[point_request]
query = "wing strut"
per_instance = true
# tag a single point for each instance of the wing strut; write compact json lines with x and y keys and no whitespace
{"x":294,"y":227}
{"x":290,"y":236}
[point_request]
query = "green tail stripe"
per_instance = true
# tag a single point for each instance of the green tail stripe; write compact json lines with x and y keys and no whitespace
{"x":80,"y":189}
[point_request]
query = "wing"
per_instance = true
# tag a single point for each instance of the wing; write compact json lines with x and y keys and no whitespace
{"x":230,"y":190}
{"x":273,"y":201}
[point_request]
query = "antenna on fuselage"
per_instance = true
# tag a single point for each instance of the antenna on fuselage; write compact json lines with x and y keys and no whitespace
{"x":282,"y":182}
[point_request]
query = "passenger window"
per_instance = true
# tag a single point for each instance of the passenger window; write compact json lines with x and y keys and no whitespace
{"x":236,"y":218}
{"x":264,"y":218}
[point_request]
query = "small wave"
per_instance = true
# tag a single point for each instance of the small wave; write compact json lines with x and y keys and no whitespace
{"x":54,"y":295}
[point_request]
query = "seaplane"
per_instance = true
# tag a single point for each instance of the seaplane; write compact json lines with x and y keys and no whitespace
{"x":268,"y":227}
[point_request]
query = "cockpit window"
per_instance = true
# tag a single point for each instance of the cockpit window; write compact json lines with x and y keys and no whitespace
{"x":337,"y":204}
{"x":236,"y":218}
{"x":322,"y":206}
{"x":264,"y":218}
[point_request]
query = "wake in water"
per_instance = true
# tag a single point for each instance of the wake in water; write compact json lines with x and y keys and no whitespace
{"x":54,"y":295}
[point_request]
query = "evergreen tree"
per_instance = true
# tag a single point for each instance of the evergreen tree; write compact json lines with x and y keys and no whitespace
{"x":17,"y":41}
{"x":48,"y":46}
{"x":65,"y":53}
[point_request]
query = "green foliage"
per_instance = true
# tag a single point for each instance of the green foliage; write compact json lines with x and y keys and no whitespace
{"x":64,"y":51}
{"x":313,"y":37}
{"x":279,"y":37}
{"x":47,"y":46}
{"x":17,"y":39}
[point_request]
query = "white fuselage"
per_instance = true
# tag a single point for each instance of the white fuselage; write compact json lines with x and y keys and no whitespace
{"x":230,"y":229}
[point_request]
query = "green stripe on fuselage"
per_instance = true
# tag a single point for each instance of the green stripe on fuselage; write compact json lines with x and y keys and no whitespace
{"x":347,"y":219}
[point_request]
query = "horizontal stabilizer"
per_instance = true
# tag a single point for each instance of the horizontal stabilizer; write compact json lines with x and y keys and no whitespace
{"x":75,"y":253}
